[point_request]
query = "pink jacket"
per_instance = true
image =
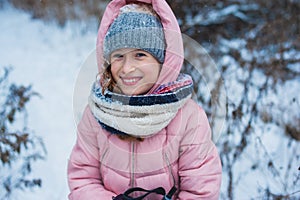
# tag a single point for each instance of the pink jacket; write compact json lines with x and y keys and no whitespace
{"x":182,"y":154}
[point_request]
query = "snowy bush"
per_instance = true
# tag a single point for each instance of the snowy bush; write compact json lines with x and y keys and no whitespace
{"x":19,"y":146}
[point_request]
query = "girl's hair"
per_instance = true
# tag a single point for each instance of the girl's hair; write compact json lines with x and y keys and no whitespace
{"x":107,"y":82}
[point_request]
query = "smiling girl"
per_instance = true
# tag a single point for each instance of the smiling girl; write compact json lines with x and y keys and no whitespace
{"x":141,"y":128}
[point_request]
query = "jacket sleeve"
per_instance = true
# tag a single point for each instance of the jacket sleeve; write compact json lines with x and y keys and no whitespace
{"x":84,"y":167}
{"x":200,"y":168}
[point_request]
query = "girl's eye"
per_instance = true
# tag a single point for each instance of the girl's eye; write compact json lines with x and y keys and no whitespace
{"x":139,"y":55}
{"x":116,"y":57}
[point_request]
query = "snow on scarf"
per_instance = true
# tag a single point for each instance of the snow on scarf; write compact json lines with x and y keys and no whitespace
{"x":142,"y":115}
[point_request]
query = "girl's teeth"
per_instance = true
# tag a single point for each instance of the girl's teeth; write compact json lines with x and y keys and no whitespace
{"x":129,"y":80}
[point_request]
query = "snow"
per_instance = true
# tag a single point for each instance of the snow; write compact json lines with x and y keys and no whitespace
{"x":49,"y":58}
{"x":214,"y":16}
{"x":266,"y":161}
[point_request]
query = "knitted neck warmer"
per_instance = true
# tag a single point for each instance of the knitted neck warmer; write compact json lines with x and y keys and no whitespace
{"x":143,"y":115}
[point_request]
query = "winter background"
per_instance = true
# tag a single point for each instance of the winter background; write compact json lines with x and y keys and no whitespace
{"x":50,"y":57}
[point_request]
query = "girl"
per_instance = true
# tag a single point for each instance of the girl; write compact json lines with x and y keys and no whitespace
{"x":141,"y":127}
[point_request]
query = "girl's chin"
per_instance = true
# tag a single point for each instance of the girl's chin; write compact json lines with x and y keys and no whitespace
{"x":133,"y":91}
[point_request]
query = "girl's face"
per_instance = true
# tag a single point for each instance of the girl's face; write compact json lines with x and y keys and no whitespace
{"x":134,"y":71}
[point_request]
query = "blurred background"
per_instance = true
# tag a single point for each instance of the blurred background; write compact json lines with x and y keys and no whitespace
{"x":255,"y":45}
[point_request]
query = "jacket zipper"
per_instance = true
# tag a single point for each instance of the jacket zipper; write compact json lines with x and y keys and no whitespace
{"x":170,"y":169}
{"x":132,"y":164}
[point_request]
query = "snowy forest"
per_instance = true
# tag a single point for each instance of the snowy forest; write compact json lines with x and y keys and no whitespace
{"x":243,"y":55}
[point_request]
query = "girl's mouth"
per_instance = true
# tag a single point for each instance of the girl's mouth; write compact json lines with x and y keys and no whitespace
{"x":130,"y":81}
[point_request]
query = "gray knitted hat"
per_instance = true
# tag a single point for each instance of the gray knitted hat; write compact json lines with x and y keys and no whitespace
{"x":137,"y":26}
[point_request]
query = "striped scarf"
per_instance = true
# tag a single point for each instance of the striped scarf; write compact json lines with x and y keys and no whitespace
{"x":143,"y":115}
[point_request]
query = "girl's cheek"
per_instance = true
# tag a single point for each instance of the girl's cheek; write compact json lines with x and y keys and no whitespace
{"x":114,"y":70}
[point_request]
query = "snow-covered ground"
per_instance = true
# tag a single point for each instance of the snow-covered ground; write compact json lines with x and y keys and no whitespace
{"x":49,"y":58}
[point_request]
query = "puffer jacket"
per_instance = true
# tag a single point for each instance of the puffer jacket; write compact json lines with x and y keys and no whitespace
{"x":102,"y":165}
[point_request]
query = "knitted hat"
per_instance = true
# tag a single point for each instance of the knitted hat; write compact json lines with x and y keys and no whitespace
{"x":137,"y":26}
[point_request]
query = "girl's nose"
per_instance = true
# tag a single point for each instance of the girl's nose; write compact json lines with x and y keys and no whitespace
{"x":128,"y":64}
